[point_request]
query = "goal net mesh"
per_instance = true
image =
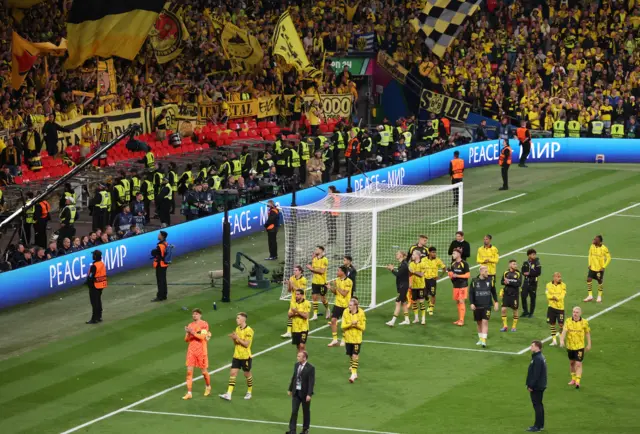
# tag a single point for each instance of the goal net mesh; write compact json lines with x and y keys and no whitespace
{"x":370,"y":225}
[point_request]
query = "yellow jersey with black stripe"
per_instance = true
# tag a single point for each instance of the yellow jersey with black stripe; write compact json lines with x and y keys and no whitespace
{"x":489,"y":254}
{"x":599,"y":257}
{"x":558,"y":291}
{"x":432,"y":266}
{"x":353,"y":334}
{"x":415,"y":281}
{"x":300,"y":324}
{"x":246,"y":334}
{"x":317,"y":263}
{"x":576,"y":331}
{"x":343,"y":285}
{"x":296,"y":284}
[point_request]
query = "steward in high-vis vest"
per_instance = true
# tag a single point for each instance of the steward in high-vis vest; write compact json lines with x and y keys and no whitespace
{"x":505,"y":163}
{"x":573,"y":129}
{"x":339,"y":140}
{"x":236,"y":167}
{"x":67,"y":220}
{"x":135,"y":184}
{"x":384,"y":137}
{"x":456,"y":171}
{"x":352,"y":153}
{"x":524,"y":137}
{"x":617,"y":130}
{"x":29,"y":220}
{"x":172,"y":178}
{"x":96,"y":281}
{"x":149,"y":161}
{"x":327,"y":159}
{"x":42,"y":216}
{"x":149,"y":194}
{"x":294,"y":161}
{"x":596,"y":128}
{"x":304,"y":150}
{"x":186,"y":179}
{"x":100,"y":207}
{"x":560,"y":128}
{"x":245,"y":161}
{"x":278,"y":150}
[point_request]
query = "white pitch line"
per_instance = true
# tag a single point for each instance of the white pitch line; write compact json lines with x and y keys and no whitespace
{"x":628,"y":215}
{"x":592,"y":317}
{"x":509,"y":353}
{"x":481,"y":208}
{"x":267,"y":422}
{"x":498,"y":210}
{"x":170,"y":389}
{"x":584,"y":256}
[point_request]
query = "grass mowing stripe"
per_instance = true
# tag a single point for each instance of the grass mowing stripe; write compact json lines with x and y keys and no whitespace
{"x":120,"y":410}
{"x":269,"y":422}
{"x":594,"y":316}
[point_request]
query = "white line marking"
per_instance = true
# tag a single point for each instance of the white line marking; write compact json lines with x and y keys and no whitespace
{"x":287,"y":342}
{"x":268,"y":422}
{"x":584,"y":256}
{"x":480,"y":208}
{"x":497,"y":210}
{"x":509,"y":353}
{"x":592,"y":317}
{"x":628,"y":215}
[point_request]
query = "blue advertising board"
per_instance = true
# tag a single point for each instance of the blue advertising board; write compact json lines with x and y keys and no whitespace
{"x":26,"y":284}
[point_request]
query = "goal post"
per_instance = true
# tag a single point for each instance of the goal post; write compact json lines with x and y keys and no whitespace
{"x":369,"y":225}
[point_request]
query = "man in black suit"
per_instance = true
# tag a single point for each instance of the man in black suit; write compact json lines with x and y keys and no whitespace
{"x":301,"y":390}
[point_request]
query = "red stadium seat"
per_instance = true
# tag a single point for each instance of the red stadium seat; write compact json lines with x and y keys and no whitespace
{"x":323,"y":128}
{"x":243,"y":134}
{"x":274,"y":130}
{"x":262,"y":124}
{"x":265,"y":132}
{"x":233,"y":135}
{"x":234,"y":126}
{"x":252,"y":125}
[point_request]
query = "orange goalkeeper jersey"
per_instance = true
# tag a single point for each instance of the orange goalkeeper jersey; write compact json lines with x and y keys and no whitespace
{"x":198,"y":341}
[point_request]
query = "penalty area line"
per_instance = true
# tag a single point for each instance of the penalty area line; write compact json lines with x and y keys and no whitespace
{"x":481,"y":208}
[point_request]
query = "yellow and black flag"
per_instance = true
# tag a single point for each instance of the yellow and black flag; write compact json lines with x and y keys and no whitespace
{"x":107,"y":83}
{"x":169,"y":34}
{"x":25,"y":53}
{"x":287,"y":44}
{"x":441,"y":20}
{"x":109,"y":28}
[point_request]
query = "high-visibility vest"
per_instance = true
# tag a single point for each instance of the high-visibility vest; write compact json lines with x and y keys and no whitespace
{"x":30,"y":215}
{"x":173,"y":180}
{"x":597,"y":127}
{"x":203,"y":173}
{"x":325,"y":155}
{"x":323,"y":139}
{"x":457,"y":164}
{"x":151,"y":195}
{"x":169,"y":195}
{"x":44,"y":208}
{"x":243,"y":159}
{"x":295,"y":159}
{"x":305,"y":154}
{"x":407,"y":138}
{"x":355,"y":131}
{"x":559,"y":128}
{"x":277,"y":147}
{"x":574,"y":128}
{"x":617,"y":131}
{"x":158,"y":179}
{"x":502,"y":153}
{"x":521,"y":134}
{"x":217,"y":182}
{"x":435,"y":124}
{"x":336,"y":203}
{"x":126,"y":184}
{"x":189,"y":178}
{"x":100,"y":279}
{"x":366,"y":144}
{"x":236,"y":168}
{"x":135,"y":186}
{"x":105,"y":200}
{"x":150,"y":160}
{"x":121,"y":195}
{"x":400,"y":131}
{"x":353,"y":148}
{"x":72,"y":209}
{"x":340,"y":142}
{"x":385,"y":137}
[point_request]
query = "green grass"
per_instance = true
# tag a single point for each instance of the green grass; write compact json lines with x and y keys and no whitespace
{"x":57,"y":373}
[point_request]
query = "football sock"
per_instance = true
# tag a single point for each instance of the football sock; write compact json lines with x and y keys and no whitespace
{"x":462,"y":309}
{"x":250,"y":384}
{"x":326,"y":305}
{"x":315,"y":308}
{"x":354,"y":366}
{"x":393,"y":320}
{"x":483,"y":338}
{"x":289,"y":325}
{"x":423,"y":310}
{"x":232,"y":385}
{"x":599,"y":290}
{"x":515,"y":319}
{"x":432,"y":306}
{"x":334,"y":336}
{"x":578,"y":378}
{"x":590,"y":288}
{"x":504,"y":321}
{"x":406,"y":316}
{"x":189,"y":381}
{"x":207,"y":378}
{"x":573,"y":376}
{"x":414,"y":307}
{"x":553,"y":331}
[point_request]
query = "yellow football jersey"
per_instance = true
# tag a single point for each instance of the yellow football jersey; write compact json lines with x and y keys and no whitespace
{"x":320,"y":279}
{"x":240,"y":352}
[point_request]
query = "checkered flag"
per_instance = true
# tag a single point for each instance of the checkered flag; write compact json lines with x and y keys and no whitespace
{"x":441,"y":20}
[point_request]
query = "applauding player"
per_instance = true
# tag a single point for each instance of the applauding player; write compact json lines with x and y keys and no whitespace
{"x":488,"y":255}
{"x":197,"y":337}
{"x":299,"y":314}
{"x":318,"y":266}
{"x":297,"y":281}
{"x":402,"y":287}
{"x":459,"y":274}
{"x":420,"y":246}
{"x":481,"y":293}
{"x":510,"y":293}
{"x":242,"y":339}
{"x":576,"y":329}
{"x":556,"y":291}
{"x":599,"y":258}
{"x":417,"y":269}
{"x":433,"y":266}
{"x":341,"y":287}
{"x":353,"y":324}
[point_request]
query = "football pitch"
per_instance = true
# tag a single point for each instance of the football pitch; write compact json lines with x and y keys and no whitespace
{"x":126,"y":375}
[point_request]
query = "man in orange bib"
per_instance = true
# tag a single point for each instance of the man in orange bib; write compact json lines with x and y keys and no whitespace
{"x":524,"y":137}
{"x":505,"y":163}
{"x":197,"y":336}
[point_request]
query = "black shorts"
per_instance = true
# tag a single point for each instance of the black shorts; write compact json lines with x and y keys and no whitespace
{"x":597,"y":275}
{"x":576,"y":355}
{"x":244,"y":364}
{"x":402,"y":295}
{"x":510,"y":301}
{"x":295,"y":116}
{"x":317,"y":288}
{"x":298,"y":338}
{"x":482,"y":313}
{"x":555,"y":316}
{"x":337,"y":312}
{"x":353,"y":349}
{"x":431,"y":287}
{"x":417,"y":294}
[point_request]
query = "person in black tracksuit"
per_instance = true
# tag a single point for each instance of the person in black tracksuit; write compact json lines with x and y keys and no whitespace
{"x":462,"y":244}
{"x":537,"y":383}
{"x":351,"y":273}
{"x":402,"y":286}
{"x":531,"y":270}
{"x":271,"y":225}
{"x":482,"y":294}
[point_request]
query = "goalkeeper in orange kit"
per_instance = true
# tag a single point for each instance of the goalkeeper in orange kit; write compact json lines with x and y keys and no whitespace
{"x":197,"y":336}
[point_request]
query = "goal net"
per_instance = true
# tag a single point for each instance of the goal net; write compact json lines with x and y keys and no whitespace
{"x":370,"y":225}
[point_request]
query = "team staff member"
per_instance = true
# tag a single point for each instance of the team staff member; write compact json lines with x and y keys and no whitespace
{"x":271,"y":225}
{"x":297,"y":281}
{"x":354,"y":322}
{"x":505,"y":162}
{"x":301,"y":390}
{"x":433,"y":266}
{"x":242,"y":339}
{"x":197,"y":335}
{"x":67,"y":220}
{"x":161,"y":267}
{"x":460,"y":243}
{"x":97,"y":281}
{"x":576,"y":329}
{"x":420,"y":246}
{"x":481,"y":294}
{"x":556,"y":291}
{"x":536,"y":384}
{"x":524,"y":137}
{"x":417,"y":269}
{"x":510,"y":293}
{"x":352,"y":273}
{"x":318,"y":266}
{"x":456,"y":172}
{"x":341,"y":287}
{"x":599,"y":259}
{"x":299,"y":314}
{"x":488,"y":255}
{"x":42,"y":216}
{"x":402,"y":287}
{"x":459,"y":274}
{"x":531,"y":270}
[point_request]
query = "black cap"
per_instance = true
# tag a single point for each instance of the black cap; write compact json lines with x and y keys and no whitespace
{"x":97,"y":255}
{"x":164,"y":234}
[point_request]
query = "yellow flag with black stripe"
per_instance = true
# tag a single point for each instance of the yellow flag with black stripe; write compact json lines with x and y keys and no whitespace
{"x":287,"y":44}
{"x":109,"y":28}
{"x":169,"y":34}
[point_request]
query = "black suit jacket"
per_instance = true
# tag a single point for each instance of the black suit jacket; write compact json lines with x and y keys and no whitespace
{"x":308,"y":379}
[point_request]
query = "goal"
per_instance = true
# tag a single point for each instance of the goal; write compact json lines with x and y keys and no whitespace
{"x":370,"y":225}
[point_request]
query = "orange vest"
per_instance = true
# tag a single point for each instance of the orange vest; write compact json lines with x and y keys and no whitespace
{"x":350,"y":147}
{"x":501,"y":160}
{"x":45,"y":207}
{"x":163,"y":248}
{"x":336,"y":204}
{"x":521,"y":133}
{"x":101,"y":275}
{"x":457,"y":164}
{"x":447,"y":125}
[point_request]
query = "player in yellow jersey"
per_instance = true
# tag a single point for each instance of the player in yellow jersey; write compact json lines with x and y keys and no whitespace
{"x":599,"y":259}
{"x":242,"y":339}
{"x":576,"y":329}
{"x":354,"y":322}
{"x":318,"y":266}
{"x":488,"y":255}
{"x":556,"y":291}
{"x":342,"y":288}
{"x":297,"y":281}
{"x":433,"y":267}
{"x":299,"y":314}
{"x":417,"y":269}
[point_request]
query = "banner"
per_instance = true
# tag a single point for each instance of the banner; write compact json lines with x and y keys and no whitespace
{"x":396,"y":70}
{"x":241,"y":47}
{"x":25,"y":53}
{"x":364,"y":42}
{"x":356,"y":65}
{"x":168,"y":35}
{"x":172,"y":116}
{"x":443,"y":105}
{"x":287,"y":44}
{"x":107,"y":84}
